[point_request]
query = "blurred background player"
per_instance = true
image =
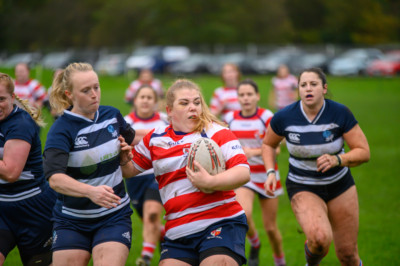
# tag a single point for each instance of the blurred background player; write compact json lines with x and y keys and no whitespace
{"x":224,"y":98}
{"x":249,"y":126}
{"x":146,"y":77}
{"x":143,"y":189}
{"x":26,"y":200}
{"x":27,"y":88}
{"x":284,"y":88}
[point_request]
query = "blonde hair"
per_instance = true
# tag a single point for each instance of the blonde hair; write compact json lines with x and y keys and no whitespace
{"x":206,"y":118}
{"x":35,"y":113}
{"x":62,"y":82}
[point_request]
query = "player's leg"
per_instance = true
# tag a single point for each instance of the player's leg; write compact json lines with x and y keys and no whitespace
{"x":7,"y":243}
{"x":245,"y":197}
{"x":110,"y":253}
{"x":312,"y":214}
{"x":68,"y":257}
{"x":152,"y":212}
{"x":269,"y":207}
{"x":343,"y":213}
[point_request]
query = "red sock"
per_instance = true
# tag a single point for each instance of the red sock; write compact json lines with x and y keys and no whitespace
{"x":148,"y":249}
{"x":254,"y":241}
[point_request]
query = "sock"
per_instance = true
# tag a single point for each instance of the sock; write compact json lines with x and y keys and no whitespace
{"x":360,"y":263}
{"x":279,"y":260}
{"x":312,"y":259}
{"x":148,"y":249}
{"x":254,"y":241}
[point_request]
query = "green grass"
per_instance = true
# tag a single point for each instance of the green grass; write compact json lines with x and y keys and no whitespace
{"x":375,"y":103}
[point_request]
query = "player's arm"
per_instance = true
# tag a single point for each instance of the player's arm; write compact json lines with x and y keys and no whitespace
{"x":15,"y":154}
{"x":55,"y":163}
{"x":359,"y":149}
{"x":269,"y":147}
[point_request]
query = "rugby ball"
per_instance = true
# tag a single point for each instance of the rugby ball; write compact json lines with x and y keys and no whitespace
{"x":208,"y":154}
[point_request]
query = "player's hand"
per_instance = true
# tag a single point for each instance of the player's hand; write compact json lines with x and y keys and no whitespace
{"x":270,"y":184}
{"x":126,"y":151}
{"x":104,"y":196}
{"x":201,"y":178}
{"x":326,"y":162}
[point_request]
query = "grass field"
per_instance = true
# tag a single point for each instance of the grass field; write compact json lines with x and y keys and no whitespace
{"x":375,"y":103}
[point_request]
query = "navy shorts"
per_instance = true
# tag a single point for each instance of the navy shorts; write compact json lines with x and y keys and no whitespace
{"x":140,"y":189}
{"x":27,"y":224}
{"x":116,"y":228}
{"x":325,"y":192}
{"x":226,"y":237}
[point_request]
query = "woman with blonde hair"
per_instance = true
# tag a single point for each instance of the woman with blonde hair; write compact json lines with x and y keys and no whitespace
{"x":24,"y":191}
{"x":92,"y":216}
{"x":202,"y":228}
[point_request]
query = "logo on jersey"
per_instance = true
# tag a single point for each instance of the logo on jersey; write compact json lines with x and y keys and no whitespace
{"x":215,"y":233}
{"x":127,"y":235}
{"x":81,"y":142}
{"x":54,"y":237}
{"x":328,"y":135}
{"x":294,"y":137}
{"x":48,"y":242}
{"x":112,"y":130}
{"x":186,"y":149}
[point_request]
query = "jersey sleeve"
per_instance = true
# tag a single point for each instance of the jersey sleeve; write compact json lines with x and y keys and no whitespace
{"x":58,"y":138}
{"x":216,"y":104}
{"x":277,"y":124}
{"x":24,"y":130}
{"x":141,"y":153}
{"x":349,"y":121}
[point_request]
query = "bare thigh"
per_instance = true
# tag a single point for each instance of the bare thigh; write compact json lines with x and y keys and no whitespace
{"x":312,"y":214}
{"x":344,"y":213}
{"x":68,"y":257}
{"x":110,"y":253}
{"x":173,"y":262}
{"x":269,"y":209}
{"x":222,"y":260}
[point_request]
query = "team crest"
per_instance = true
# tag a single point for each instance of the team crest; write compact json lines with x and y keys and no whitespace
{"x":216,"y":232}
{"x":112,"y":130}
{"x":327,"y":134}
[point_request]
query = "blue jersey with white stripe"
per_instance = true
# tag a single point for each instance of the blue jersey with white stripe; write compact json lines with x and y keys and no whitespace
{"x":20,"y":125}
{"x":307,"y":140}
{"x":93,"y":148}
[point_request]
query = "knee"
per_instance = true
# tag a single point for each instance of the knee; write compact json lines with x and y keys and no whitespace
{"x":319,"y":241}
{"x":153,"y":217}
{"x":347,"y":255}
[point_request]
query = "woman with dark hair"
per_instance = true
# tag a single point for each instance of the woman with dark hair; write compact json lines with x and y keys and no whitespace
{"x":319,"y":183}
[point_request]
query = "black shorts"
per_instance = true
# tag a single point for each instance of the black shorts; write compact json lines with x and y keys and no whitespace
{"x":325,"y":192}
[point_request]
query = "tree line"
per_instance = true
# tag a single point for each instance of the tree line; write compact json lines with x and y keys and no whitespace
{"x":59,"y":24}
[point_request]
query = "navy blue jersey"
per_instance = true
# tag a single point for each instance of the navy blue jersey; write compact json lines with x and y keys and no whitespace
{"x":93,"y":149}
{"x":307,"y":140}
{"x":20,"y":125}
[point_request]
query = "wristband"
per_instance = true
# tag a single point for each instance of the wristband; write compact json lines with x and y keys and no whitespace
{"x":270,"y":171}
{"x":339,"y":160}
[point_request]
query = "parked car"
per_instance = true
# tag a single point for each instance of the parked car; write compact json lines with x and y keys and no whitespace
{"x":29,"y":58}
{"x":242,"y":60}
{"x":389,"y":65}
{"x":111,"y":64}
{"x":55,"y":60}
{"x":195,"y":63}
{"x":156,"y":58}
{"x":353,"y":61}
{"x":309,"y":60}
{"x":269,"y":63}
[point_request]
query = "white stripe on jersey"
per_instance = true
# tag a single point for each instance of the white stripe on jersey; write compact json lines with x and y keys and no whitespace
{"x":195,"y":227}
{"x":25,"y":175}
{"x":97,"y":126}
{"x":315,"y":181}
{"x":180,"y":187}
{"x":110,"y":180}
{"x":21,"y":196}
{"x":95,"y":213}
{"x":94,"y":155}
{"x":312,"y":151}
{"x":202,"y":208}
{"x":312,"y":128}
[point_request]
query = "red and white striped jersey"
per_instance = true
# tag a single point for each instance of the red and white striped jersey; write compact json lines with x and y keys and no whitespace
{"x":32,"y":91}
{"x":188,"y":210}
{"x":159,"y":119}
{"x":136,"y":84}
{"x":284,"y":89}
{"x":224,"y":100}
{"x":250,"y":131}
